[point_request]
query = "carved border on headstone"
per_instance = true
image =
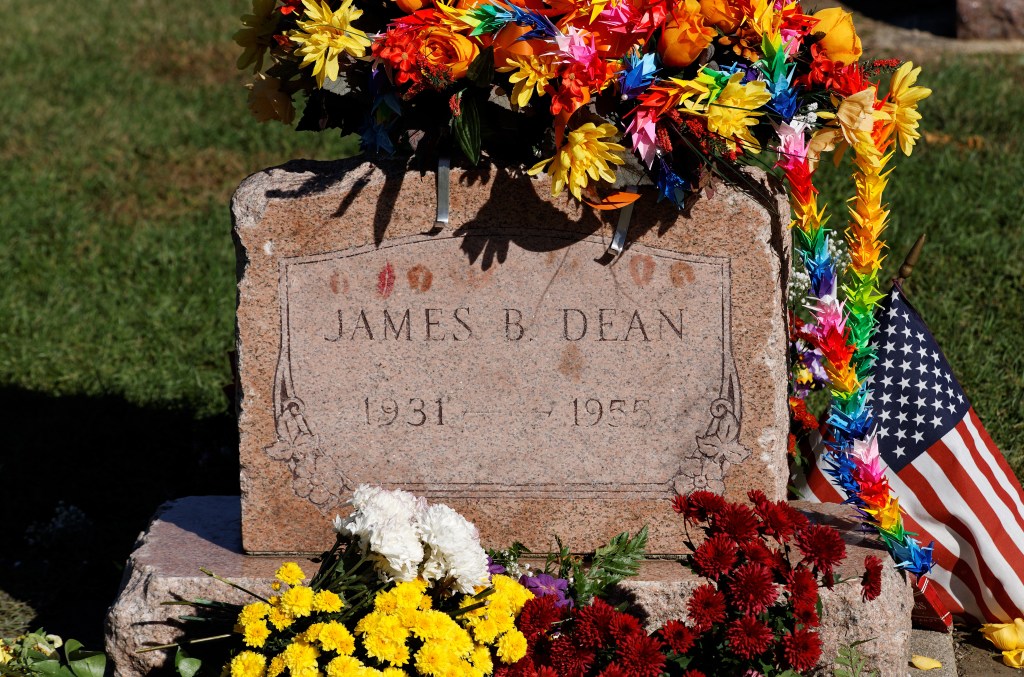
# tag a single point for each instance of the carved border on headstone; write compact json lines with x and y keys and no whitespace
{"x":300,"y":447}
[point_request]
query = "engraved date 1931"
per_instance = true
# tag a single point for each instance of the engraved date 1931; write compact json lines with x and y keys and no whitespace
{"x":416,"y":412}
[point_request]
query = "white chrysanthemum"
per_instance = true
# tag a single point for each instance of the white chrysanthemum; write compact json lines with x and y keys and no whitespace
{"x":453,"y":549}
{"x":386,"y":523}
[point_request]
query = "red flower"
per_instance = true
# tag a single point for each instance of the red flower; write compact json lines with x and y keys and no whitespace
{"x":749,"y":637}
{"x":777,"y":520}
{"x":871,"y":584}
{"x":801,"y":649}
{"x":706,"y":607}
{"x":593,"y":624}
{"x":806,"y":614}
{"x":802,"y":586}
{"x":694,"y":673}
{"x":715,"y":556}
{"x":614,"y":670}
{"x":756,"y":551}
{"x":736,"y":521}
{"x":752,"y":589}
{"x":569,"y":659}
{"x":823,"y":547}
{"x":290,"y":6}
{"x":678,"y":636}
{"x":624,"y":626}
{"x":642,"y":655}
{"x":538,"y":615}
{"x":700,"y":504}
{"x":399,"y":49}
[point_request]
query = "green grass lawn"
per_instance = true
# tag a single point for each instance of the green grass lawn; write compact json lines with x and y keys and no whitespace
{"x":124,"y":132}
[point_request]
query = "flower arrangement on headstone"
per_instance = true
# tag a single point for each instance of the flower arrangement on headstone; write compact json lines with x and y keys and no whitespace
{"x":607,"y":94}
{"x":407,"y":589}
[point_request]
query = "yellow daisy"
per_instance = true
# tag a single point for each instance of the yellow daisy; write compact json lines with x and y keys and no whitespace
{"x":585,"y":156}
{"x":326,"y":35}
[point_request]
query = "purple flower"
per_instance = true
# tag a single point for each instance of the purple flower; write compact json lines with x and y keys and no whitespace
{"x":493,"y":568}
{"x":543,"y":585}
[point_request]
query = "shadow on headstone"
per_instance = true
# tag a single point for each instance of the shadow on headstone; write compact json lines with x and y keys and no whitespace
{"x":81,"y":478}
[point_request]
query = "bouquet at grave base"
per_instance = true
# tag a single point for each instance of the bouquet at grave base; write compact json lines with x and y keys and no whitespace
{"x":756,"y":616}
{"x":405,"y":590}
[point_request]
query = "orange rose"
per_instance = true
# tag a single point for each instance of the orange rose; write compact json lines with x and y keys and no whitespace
{"x":722,"y":13}
{"x":410,"y":6}
{"x":445,"y":48}
{"x":507,"y":44}
{"x":839,"y":40}
{"x":685,"y":35}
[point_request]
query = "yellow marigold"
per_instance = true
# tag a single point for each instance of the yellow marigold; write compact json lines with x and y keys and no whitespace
{"x":511,"y":646}
{"x":249,"y":664}
{"x":300,"y":657}
{"x":298,"y":601}
{"x":326,"y":35}
{"x":334,"y":636}
{"x":327,"y":601}
{"x":481,"y":659}
{"x":585,"y":156}
{"x":276,"y":666}
{"x":532,"y":74}
{"x":255,"y":634}
{"x":903,"y":100}
{"x":251,"y":613}
{"x":280,"y":618}
{"x":290,"y":573}
{"x":345,"y":666}
{"x":734,"y":112}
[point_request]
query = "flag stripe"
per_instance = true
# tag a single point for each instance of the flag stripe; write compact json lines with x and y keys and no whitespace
{"x":1009,"y":476}
{"x":988,"y":466}
{"x":944,"y":504}
{"x":955,"y":568}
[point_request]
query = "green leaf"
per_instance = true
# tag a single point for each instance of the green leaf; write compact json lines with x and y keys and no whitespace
{"x":467,"y":129}
{"x":50,"y":667}
{"x":185,"y":665}
{"x":481,"y":70}
{"x":92,"y":665}
{"x":71,"y":646}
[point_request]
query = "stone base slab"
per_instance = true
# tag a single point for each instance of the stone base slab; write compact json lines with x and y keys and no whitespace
{"x":205,"y":531}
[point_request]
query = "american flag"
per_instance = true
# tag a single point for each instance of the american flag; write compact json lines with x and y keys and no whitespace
{"x":953,"y":482}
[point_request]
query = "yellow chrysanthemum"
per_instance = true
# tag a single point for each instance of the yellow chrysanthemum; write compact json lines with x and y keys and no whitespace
{"x":510,"y":590}
{"x":298,"y":601}
{"x":256,"y":37}
{"x":735,"y":111}
{"x":409,"y":594}
{"x":251,"y":613}
{"x":276,"y":666}
{"x":280,"y":618}
{"x":486,"y":630}
{"x":384,"y":638}
{"x":326,"y":35}
{"x":249,"y":664}
{"x":290,"y":573}
{"x":393,"y":672}
{"x":481,"y":659}
{"x":386,"y":602}
{"x":432,"y":625}
{"x":435,"y":658}
{"x":345,"y":666}
{"x":532,"y":74}
{"x":903,"y":100}
{"x":255,"y":634}
{"x":327,"y":601}
{"x":300,"y":658}
{"x":334,"y":636}
{"x":585,"y":156}
{"x":511,"y":646}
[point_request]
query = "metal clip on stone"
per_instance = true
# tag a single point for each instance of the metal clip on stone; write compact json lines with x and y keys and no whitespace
{"x":622,"y":228}
{"x":443,"y":190}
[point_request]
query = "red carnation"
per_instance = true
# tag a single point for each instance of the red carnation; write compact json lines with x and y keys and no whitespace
{"x":802,"y":586}
{"x":706,"y":607}
{"x":801,"y":649}
{"x":823,"y":547}
{"x":569,"y":659}
{"x":678,"y":636}
{"x":593,"y":624}
{"x":641,"y":655}
{"x":749,"y":637}
{"x":699,"y":504}
{"x":715,"y":556}
{"x":752,"y":589}
{"x":538,"y":615}
{"x":736,"y":521}
{"x":871,"y":584}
